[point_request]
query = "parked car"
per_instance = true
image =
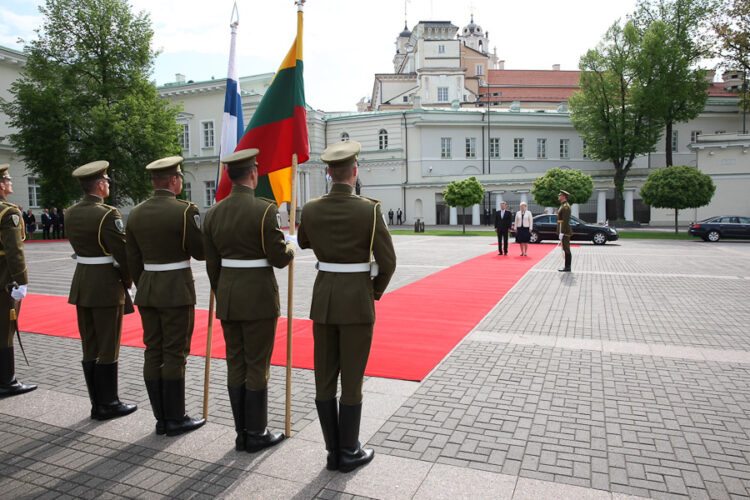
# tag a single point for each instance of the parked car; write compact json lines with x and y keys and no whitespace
{"x":724,"y":226}
{"x":545,"y":228}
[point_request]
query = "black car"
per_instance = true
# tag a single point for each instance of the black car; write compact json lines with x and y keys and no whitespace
{"x":545,"y":228}
{"x":724,"y":226}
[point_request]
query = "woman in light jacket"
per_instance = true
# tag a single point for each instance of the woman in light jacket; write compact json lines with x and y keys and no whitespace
{"x":524,"y":224}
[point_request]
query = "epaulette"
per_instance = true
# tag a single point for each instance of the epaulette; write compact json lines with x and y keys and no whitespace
{"x":371,"y":199}
{"x":186,"y":202}
{"x":5,"y":202}
{"x":267,"y":200}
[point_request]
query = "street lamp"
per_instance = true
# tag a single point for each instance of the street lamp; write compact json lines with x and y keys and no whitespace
{"x":488,"y":87}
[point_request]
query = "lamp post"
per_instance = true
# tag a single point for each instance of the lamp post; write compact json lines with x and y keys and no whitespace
{"x":488,"y":88}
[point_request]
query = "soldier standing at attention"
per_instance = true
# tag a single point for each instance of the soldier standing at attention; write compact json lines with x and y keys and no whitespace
{"x":563,"y":228}
{"x":163,"y":234}
{"x":97,"y":236}
{"x":13,"y":279}
{"x":345,"y":231}
{"x":243,"y":241}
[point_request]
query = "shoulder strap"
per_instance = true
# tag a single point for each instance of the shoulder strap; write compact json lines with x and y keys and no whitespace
{"x":374,"y":223}
{"x":263,"y":230}
{"x":184,"y":223}
{"x":99,"y":234}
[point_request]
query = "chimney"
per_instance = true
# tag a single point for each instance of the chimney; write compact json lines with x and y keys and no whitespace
{"x":501,"y":64}
{"x":555,"y":67}
{"x":179,"y":78}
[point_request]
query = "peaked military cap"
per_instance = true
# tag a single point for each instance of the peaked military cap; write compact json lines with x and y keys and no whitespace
{"x":239,"y":159}
{"x":567,"y":194}
{"x":91,"y":169}
{"x":4,"y":170}
{"x":341,"y":152}
{"x":164,"y":165}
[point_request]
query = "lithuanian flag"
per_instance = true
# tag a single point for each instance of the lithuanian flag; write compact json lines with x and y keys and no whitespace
{"x":278,"y":129}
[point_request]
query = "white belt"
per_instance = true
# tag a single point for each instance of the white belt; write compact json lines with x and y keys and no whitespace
{"x":105,"y":259}
{"x":334,"y":267}
{"x":172,"y":266}
{"x":245,"y":263}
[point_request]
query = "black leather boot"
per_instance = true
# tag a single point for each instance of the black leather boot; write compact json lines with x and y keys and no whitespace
{"x":351,"y":455}
{"x":88,"y":375}
{"x":237,"y":400}
{"x":257,"y":436}
{"x":153,"y":387}
{"x":566,"y":269}
{"x":329,"y":423}
{"x":176,"y":421}
{"x":108,"y":404}
{"x":9,"y":386}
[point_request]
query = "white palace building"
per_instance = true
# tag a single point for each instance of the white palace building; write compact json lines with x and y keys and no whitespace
{"x":450,"y":110}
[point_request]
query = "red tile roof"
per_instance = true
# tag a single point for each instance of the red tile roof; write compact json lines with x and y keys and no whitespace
{"x":524,"y":77}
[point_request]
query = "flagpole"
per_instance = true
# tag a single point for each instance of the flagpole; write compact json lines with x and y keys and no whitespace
{"x":209,"y":336}
{"x":290,"y":301}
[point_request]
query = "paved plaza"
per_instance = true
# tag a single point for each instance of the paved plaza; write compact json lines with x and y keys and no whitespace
{"x":629,"y":377}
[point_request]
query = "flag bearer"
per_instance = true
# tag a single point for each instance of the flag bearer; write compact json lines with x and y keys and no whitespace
{"x":163,"y":234}
{"x":243,"y":244}
{"x":97,"y":235}
{"x":345,"y":231}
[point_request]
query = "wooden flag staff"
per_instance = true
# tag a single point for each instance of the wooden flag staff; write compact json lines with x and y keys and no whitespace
{"x":209,"y":336}
{"x":290,"y":301}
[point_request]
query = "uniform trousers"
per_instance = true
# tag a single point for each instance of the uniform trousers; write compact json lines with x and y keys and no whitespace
{"x":6,"y":335}
{"x":249,"y":345}
{"x":566,"y":249}
{"x":343,"y":348}
{"x":167,"y":332}
{"x":100,"y":328}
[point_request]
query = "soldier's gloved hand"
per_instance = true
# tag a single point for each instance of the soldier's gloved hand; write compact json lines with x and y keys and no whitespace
{"x":293,"y":239}
{"x":560,"y":236}
{"x":18,"y":292}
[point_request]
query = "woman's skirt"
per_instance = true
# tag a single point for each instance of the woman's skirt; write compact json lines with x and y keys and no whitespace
{"x":522,"y":235}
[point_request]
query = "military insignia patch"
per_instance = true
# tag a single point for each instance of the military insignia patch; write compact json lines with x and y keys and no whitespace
{"x":197,"y":219}
{"x":16,"y":219}
{"x":278,"y":220}
{"x":119,"y":225}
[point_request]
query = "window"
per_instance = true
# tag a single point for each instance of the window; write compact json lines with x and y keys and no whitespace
{"x":694,"y":135}
{"x":188,"y":190}
{"x":585,"y":149}
{"x":442,"y":94}
{"x":471,"y":147}
{"x":383,"y":139}
{"x":208,"y":134}
{"x":445,"y":147}
{"x":517,"y":148}
{"x":495,"y":147}
{"x":184,"y":137}
{"x":441,"y":49}
{"x":480,"y":69}
{"x":344,"y":137}
{"x":541,"y":148}
{"x":674,"y":140}
{"x":210,"y":192}
{"x":564,"y":148}
{"x":35,"y":192}
{"x":406,"y":98}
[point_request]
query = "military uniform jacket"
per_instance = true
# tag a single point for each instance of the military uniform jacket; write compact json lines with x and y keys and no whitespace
{"x":162,"y":230}
{"x":338,"y":227}
{"x":95,"y":230}
{"x":563,"y":220}
{"x":12,"y":234}
{"x":245,"y":227}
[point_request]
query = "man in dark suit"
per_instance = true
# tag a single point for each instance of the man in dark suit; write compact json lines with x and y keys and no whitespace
{"x":503,"y":221}
{"x":55,"y":224}
{"x":345,"y":231}
{"x":243,"y":244}
{"x":46,"y":223}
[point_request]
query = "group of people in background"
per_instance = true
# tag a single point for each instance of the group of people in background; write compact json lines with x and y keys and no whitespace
{"x":53,"y":224}
{"x":399,"y":217}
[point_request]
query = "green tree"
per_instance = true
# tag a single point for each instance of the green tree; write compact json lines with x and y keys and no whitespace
{"x":465,"y":193}
{"x":84,"y":95}
{"x":678,"y":187}
{"x":547,"y":187}
{"x":672,"y":44}
{"x":608,"y":111}
{"x":731,"y":25}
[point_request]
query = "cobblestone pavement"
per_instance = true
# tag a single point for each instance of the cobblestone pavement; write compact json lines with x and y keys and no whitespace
{"x":629,"y":377}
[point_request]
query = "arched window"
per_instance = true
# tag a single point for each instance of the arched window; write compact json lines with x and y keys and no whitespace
{"x":383,"y":139}
{"x":344,"y":137}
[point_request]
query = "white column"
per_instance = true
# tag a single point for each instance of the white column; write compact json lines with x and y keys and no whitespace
{"x":525,"y":198}
{"x":574,"y":209}
{"x":498,"y":200}
{"x":601,"y":205}
{"x":453,"y":217}
{"x":475,"y":220}
{"x":307,"y":187}
{"x":628,"y":194}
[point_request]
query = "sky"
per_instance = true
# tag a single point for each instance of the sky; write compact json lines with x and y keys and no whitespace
{"x":345,"y":41}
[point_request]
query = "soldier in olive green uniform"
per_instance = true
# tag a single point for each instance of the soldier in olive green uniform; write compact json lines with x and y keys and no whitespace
{"x":97,"y":235}
{"x":13,"y":280}
{"x":243,"y":241}
{"x":163,"y":234}
{"x":563,"y":228}
{"x":345,"y":231}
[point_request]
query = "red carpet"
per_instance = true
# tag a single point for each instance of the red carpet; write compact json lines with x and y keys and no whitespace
{"x":417,"y":325}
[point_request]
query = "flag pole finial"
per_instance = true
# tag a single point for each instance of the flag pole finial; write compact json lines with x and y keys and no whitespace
{"x":300,"y":4}
{"x":235,"y":19}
